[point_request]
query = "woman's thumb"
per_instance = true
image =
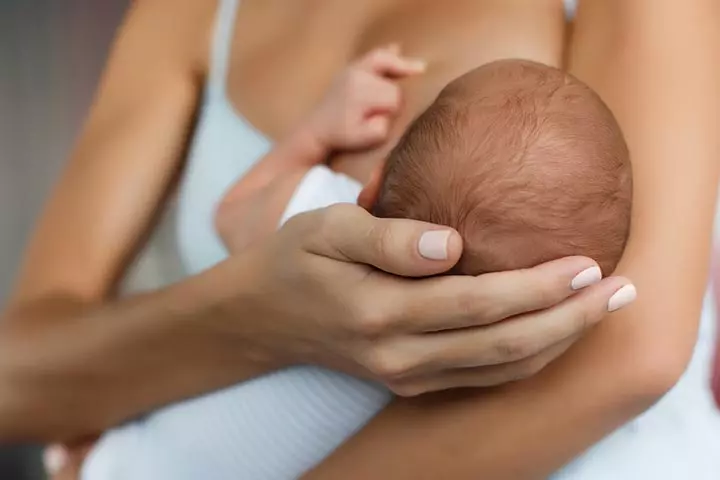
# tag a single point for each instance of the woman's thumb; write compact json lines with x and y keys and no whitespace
{"x":399,"y":246}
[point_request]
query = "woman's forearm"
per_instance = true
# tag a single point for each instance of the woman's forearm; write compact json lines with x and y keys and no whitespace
{"x":528,"y":429}
{"x":656,"y":63}
{"x":68,"y":369}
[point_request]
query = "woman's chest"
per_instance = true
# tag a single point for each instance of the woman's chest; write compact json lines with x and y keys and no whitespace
{"x":282,"y":62}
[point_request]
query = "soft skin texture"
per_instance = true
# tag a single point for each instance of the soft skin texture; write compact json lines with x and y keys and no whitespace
{"x":66,"y":336}
{"x":661,"y":80}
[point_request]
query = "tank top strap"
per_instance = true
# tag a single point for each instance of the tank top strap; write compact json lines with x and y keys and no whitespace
{"x":221,"y":45}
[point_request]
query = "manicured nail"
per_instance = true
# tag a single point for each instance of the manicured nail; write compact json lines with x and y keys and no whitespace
{"x":433,"y":245}
{"x":54,"y":458}
{"x":623,"y":297}
{"x":587,"y":277}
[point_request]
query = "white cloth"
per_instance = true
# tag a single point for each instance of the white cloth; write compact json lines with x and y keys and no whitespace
{"x":321,"y":187}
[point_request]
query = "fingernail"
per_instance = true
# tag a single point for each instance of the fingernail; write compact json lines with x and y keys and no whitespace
{"x":623,"y":297}
{"x":54,"y":458}
{"x":433,"y":245}
{"x":587,"y":277}
{"x":417,"y":64}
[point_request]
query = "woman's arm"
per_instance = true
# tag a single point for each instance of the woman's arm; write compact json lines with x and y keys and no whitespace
{"x":657,"y":64}
{"x":61,"y":339}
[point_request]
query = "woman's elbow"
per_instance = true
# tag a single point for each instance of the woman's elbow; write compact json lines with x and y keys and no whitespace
{"x":658,"y":362}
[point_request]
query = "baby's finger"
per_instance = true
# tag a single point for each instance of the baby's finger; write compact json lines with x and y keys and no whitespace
{"x":379,"y":96}
{"x":373,"y":130}
{"x":388,"y":64}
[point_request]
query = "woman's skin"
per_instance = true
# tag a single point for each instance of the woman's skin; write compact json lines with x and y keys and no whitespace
{"x":135,"y":140}
{"x":657,"y":64}
{"x":102,"y":360}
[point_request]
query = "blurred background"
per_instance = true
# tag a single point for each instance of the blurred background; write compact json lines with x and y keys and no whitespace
{"x":51,"y":54}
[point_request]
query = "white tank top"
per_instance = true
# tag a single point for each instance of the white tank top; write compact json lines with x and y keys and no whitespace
{"x":278,"y":426}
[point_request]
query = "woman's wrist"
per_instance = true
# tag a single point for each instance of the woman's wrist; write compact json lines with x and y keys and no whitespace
{"x":227,"y":310}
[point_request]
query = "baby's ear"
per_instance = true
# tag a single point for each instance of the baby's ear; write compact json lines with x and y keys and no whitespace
{"x":369,"y":194}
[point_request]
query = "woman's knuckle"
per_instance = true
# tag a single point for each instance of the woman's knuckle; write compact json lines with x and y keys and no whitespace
{"x":508,"y":350}
{"x":406,"y":389}
{"x":492,"y":311}
{"x":533,"y":366}
{"x":513,"y":373}
{"x":469,"y":304}
{"x":584,"y":319}
{"x":297,"y":224}
{"x":546,"y":294}
{"x":473,"y":303}
{"x":335,"y":215}
{"x":518,"y":374}
{"x":387,"y":365}
{"x":381,"y":240}
{"x":370,"y":321}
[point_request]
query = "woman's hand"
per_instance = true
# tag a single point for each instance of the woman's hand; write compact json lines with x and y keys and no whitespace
{"x":333,"y":288}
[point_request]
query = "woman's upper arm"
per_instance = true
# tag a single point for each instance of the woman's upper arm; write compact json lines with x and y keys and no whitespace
{"x":127,"y":155}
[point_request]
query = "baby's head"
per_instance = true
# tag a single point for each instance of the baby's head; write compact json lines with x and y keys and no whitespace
{"x":524,"y":160}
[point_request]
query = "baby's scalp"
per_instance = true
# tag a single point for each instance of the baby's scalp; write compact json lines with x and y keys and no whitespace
{"x":524,"y":160}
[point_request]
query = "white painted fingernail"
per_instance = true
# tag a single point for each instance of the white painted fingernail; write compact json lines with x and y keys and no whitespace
{"x":54,"y":458}
{"x":623,"y":297}
{"x":587,"y":277}
{"x":433,"y":245}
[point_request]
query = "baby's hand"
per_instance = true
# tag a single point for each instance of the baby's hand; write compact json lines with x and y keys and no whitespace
{"x":357,"y":111}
